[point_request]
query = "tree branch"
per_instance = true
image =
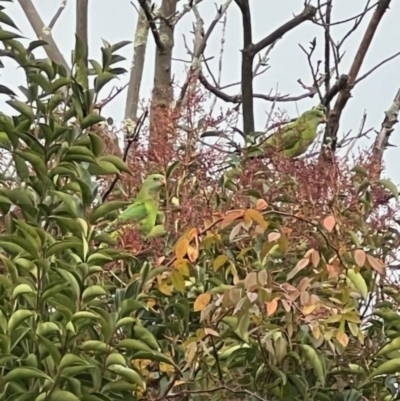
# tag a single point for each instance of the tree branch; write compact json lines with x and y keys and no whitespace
{"x":306,"y":15}
{"x":344,"y":95}
{"x":391,"y":115}
{"x":201,"y":39}
{"x":247,"y":68}
{"x":58,"y":14}
{"x":139,"y":54}
{"x":82,"y":22}
{"x":51,"y":49}
{"x":145,"y":7}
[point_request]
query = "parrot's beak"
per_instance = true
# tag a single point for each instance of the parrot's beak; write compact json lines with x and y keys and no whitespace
{"x":324,"y":119}
{"x":164,"y":181}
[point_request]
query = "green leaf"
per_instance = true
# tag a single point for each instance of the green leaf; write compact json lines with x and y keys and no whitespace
{"x":312,"y":356}
{"x":390,"y":187}
{"x":35,"y":160}
{"x":5,"y":90}
{"x":62,"y":395}
{"x":91,"y":120}
{"x":80,"y":49}
{"x":117,"y":162}
{"x":6,"y":35}
{"x":60,"y":246}
{"x":68,"y":200}
{"x":98,"y":346}
{"x":128,"y":374}
{"x":102,"y":79}
{"x":178,"y":281}
{"x":5,"y":19}
{"x":84,"y":315}
{"x":242,"y":329}
{"x":19,"y":373}
{"x":105,"y":209}
{"x":22,"y":108}
{"x":70,"y":360}
{"x":92,"y":292}
{"x":102,"y":168}
{"x":22,"y":289}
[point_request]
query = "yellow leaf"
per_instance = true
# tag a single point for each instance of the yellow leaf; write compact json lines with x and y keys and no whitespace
{"x":178,"y":281}
{"x":167,"y":368}
{"x":201,"y":302}
{"x":164,"y":288}
{"x":219,"y":261}
{"x":182,"y":266}
{"x":329,"y":223}
{"x":308,"y":309}
{"x":193,"y":254}
{"x":342,"y":338}
{"x":181,"y":247}
{"x":315,"y":330}
{"x":256,"y":216}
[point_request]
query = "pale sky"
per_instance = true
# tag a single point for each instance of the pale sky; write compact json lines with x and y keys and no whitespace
{"x":115,"y":20}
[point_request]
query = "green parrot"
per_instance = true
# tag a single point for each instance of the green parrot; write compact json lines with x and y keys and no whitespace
{"x":294,"y":139}
{"x":144,"y":209}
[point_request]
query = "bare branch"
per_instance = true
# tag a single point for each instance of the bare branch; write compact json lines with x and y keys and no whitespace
{"x":376,"y":67}
{"x":201,"y":39}
{"x":146,"y":8}
{"x":82,"y":22}
{"x":43,"y":33}
{"x":139,"y":54}
{"x":58,"y":14}
{"x":391,"y":115}
{"x":344,"y":95}
{"x":306,"y":15}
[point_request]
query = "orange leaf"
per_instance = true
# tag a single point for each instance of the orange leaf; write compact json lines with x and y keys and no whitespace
{"x":181,"y":247}
{"x":261,"y":204}
{"x":272,"y":306}
{"x":231,"y":216}
{"x":201,"y":302}
{"x":377,"y":265}
{"x":193,"y":254}
{"x":360,"y":257}
{"x":329,"y":223}
{"x":315,"y":258}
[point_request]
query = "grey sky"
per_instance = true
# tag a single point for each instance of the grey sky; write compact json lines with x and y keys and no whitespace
{"x":115,"y":20}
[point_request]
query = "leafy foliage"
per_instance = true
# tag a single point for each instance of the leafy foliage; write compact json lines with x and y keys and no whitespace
{"x":259,"y":291}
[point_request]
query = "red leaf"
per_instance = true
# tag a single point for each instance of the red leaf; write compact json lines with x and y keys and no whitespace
{"x":329,"y":223}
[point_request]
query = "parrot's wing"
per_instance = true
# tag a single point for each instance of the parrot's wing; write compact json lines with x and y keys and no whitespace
{"x":134,"y":212}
